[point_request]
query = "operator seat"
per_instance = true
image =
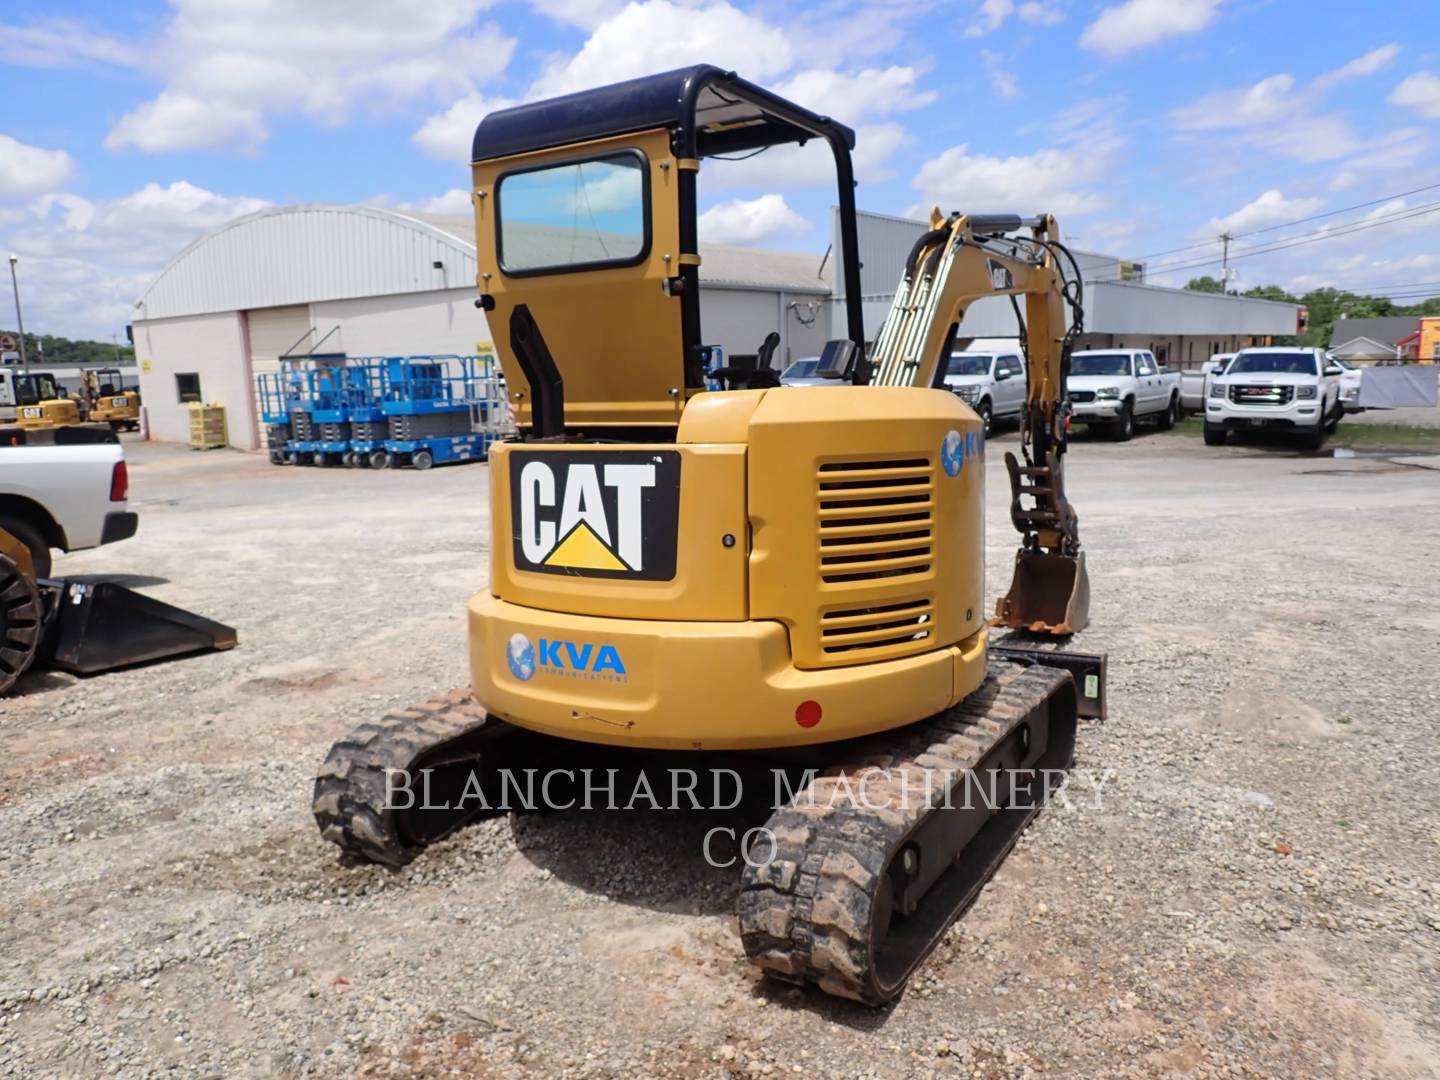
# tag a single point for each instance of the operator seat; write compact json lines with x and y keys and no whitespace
{"x":761,"y":377}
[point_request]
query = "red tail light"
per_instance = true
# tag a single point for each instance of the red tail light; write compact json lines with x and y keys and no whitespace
{"x":119,"y":483}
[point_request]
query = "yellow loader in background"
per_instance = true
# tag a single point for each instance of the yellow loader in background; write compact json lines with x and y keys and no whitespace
{"x":792,"y":573}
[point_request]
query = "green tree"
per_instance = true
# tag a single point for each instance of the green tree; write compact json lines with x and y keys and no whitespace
{"x":59,"y":350}
{"x":1205,"y":284}
{"x":1270,"y":292}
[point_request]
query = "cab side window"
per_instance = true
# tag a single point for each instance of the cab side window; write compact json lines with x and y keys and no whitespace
{"x":1011,"y":364}
{"x":1144,"y":364}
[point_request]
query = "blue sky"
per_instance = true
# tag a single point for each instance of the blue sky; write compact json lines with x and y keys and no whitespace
{"x":126,"y":130}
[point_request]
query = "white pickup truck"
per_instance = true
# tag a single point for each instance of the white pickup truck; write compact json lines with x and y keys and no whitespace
{"x":993,"y":384}
{"x":66,"y":495}
{"x":1117,"y":387}
{"x":1275,"y":388}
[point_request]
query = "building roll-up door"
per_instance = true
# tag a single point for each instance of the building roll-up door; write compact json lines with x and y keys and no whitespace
{"x":276,"y":332}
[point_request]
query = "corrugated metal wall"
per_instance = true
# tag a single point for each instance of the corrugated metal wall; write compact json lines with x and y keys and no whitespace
{"x":287,"y":255}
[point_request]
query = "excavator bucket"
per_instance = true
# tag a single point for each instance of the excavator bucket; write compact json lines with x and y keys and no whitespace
{"x":1049,"y":594}
{"x":95,"y":627}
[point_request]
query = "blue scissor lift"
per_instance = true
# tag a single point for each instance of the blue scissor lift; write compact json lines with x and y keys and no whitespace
{"x":434,"y":405}
{"x":282,"y":395}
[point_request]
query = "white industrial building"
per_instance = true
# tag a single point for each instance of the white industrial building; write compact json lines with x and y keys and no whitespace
{"x":365,"y":281}
{"x":1181,"y":328}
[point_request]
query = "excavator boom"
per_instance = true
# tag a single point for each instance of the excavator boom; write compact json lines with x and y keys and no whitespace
{"x":962,"y":259}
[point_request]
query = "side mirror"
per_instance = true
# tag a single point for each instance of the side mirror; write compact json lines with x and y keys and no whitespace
{"x":1001,"y":374}
{"x":1334,"y":369}
{"x":1217,"y":369}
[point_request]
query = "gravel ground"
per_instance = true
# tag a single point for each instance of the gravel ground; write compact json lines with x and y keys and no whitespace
{"x":1248,"y":885}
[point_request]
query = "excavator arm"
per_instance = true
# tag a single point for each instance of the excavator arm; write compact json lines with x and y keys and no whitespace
{"x":962,"y":259}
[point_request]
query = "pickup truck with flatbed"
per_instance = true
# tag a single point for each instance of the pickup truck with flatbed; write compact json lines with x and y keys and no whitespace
{"x":1117,"y":388}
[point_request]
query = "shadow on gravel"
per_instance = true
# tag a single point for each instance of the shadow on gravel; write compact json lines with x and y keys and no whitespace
{"x":39,"y":680}
{"x":643,"y":842}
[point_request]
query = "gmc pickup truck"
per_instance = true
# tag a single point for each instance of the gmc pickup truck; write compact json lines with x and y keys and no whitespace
{"x":1294,"y":390}
{"x":62,"y":495}
{"x":1117,"y":387}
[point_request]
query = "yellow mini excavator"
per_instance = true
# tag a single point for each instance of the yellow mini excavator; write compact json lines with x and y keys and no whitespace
{"x":789,"y":572}
{"x":108,"y":400}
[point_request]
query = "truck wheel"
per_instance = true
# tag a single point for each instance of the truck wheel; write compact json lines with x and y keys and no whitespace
{"x":1123,"y":429}
{"x":30,"y":536}
{"x":379,"y":459}
{"x":987,"y":416}
{"x":1214,"y":435}
{"x":277,"y":457}
{"x":1334,"y":420}
{"x":1170,"y":415}
{"x":20,"y":621}
{"x":1314,"y":440}
{"x":422,"y":459}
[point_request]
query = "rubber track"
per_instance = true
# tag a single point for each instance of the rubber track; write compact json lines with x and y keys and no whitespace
{"x":805,"y":917}
{"x":349,"y":799}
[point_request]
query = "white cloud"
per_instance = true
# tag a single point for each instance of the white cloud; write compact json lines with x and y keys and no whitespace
{"x":586,"y":14}
{"x":992,"y":14}
{"x":1007,"y":88}
{"x":454,"y":203}
{"x":64,"y":43}
{"x":1269,"y":99}
{"x":741,"y":221}
{"x":1038,"y":14}
{"x":848,"y":98}
{"x":1280,"y":116}
{"x":1136,"y":24}
{"x":1042,"y":182}
{"x":180,"y":121}
{"x":448,"y":135}
{"x":84,"y":263}
{"x":1420,"y":92}
{"x":658,"y":35}
{"x":30,"y":170}
{"x":1373,"y":61}
{"x":228,"y":64}
{"x":1269,"y":208}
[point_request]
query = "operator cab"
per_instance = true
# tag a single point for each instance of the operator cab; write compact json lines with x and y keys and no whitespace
{"x":586,"y":206}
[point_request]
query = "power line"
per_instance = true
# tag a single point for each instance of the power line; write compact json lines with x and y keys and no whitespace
{"x":1271,"y":228}
{"x":1300,"y":240}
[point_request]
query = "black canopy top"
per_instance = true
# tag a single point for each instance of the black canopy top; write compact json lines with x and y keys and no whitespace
{"x":710,"y":111}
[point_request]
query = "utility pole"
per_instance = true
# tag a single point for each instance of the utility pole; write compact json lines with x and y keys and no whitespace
{"x":15,"y":284}
{"x":1225,"y":272}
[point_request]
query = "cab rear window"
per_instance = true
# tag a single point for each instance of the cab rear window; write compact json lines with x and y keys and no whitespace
{"x":574,"y":215}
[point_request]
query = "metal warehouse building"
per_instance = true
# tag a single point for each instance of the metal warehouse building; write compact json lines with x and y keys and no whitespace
{"x":365,"y":281}
{"x":1181,"y":328}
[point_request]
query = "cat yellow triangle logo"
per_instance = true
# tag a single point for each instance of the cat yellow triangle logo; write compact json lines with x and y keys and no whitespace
{"x":583,"y":550}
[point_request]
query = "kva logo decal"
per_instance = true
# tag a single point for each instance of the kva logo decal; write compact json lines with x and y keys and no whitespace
{"x":955,"y":448}
{"x":559,"y":656}
{"x":601,"y":514}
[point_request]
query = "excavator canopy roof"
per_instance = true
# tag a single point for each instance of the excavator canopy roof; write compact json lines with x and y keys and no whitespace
{"x":710,"y":111}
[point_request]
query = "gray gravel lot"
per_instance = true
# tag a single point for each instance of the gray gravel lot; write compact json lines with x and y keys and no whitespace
{"x":1248,"y":884}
